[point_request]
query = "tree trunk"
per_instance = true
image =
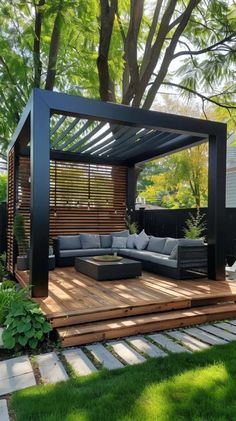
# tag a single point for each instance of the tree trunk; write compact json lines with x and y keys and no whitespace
{"x":53,"y":51}
{"x":37,"y":41}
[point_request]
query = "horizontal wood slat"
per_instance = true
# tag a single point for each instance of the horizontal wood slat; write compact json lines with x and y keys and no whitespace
{"x":83,"y":197}
{"x":11,"y":207}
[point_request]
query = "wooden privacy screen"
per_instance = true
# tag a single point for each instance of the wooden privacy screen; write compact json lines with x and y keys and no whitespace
{"x":83,"y":197}
{"x":10,"y":211}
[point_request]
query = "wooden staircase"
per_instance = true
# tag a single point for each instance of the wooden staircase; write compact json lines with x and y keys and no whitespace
{"x":90,"y":326}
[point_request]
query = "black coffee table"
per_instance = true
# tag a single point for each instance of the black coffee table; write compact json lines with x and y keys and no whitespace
{"x":107,"y":271}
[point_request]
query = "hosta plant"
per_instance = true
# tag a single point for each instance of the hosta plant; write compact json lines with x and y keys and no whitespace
{"x":25,"y":326}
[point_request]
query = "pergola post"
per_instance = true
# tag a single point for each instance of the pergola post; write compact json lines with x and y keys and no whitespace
{"x":40,"y":199}
{"x":216,"y":205}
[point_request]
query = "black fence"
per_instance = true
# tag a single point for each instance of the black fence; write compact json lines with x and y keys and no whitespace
{"x":171,"y":222}
{"x":3,"y":227}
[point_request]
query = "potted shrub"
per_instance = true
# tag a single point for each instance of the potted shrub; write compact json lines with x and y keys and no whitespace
{"x":195,"y":226}
{"x":20,"y":237}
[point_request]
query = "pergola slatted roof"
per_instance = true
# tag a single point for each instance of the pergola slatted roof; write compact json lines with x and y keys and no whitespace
{"x":108,"y":140}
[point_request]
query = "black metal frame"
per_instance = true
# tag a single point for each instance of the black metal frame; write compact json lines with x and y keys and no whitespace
{"x":34,"y":127}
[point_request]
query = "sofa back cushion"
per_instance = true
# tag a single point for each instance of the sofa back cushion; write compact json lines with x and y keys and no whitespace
{"x":119,"y":242}
{"x":169,"y":245}
{"x":131,"y":241}
{"x":106,"y":241}
{"x":69,"y":242}
{"x":141,"y":241}
{"x":156,"y":244}
{"x":90,"y":241}
{"x":123,"y":233}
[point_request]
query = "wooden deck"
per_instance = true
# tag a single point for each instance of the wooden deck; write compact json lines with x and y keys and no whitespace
{"x":83,"y":310}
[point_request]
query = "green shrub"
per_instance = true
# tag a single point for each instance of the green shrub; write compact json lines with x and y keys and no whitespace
{"x":8,"y":284}
{"x":25,"y":325}
{"x":8,"y":296}
{"x":19,"y":233}
{"x":195,"y":226}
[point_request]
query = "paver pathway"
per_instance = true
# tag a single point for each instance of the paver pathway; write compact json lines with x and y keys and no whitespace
{"x":3,"y":410}
{"x":17,"y":373}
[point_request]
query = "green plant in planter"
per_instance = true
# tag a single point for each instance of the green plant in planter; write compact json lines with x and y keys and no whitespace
{"x":195,"y":226}
{"x":19,"y":233}
{"x":25,"y":325}
{"x":8,"y":296}
{"x":132,"y":226}
{"x":20,"y":236}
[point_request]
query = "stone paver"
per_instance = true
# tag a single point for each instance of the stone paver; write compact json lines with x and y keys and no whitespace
{"x":232,"y":322}
{"x":3,"y":410}
{"x":79,"y":361}
{"x":218,"y":332}
{"x":190,"y":342}
{"x":167,"y":343}
{"x":226,"y":326}
{"x":205,"y":336}
{"x":142,"y":345}
{"x":104,"y":356}
{"x":127,"y":354}
{"x":15,"y":374}
{"x":51,"y":368}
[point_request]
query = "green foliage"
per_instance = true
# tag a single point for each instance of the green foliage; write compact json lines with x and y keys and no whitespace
{"x":25,"y":325}
{"x":8,"y":284}
{"x":3,"y":188}
{"x":8,"y":296}
{"x":195,"y":226}
{"x":19,"y":232}
{"x":2,"y":266}
{"x":132,"y":226}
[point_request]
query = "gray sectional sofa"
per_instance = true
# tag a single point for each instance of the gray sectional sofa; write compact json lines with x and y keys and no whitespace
{"x":176,"y":258}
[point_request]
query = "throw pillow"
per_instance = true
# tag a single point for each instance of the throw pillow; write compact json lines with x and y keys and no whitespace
{"x":141,"y":241}
{"x":106,"y":241}
{"x":90,"y":241}
{"x":156,"y":244}
{"x":131,"y":241}
{"x":119,"y":242}
{"x":169,"y":245}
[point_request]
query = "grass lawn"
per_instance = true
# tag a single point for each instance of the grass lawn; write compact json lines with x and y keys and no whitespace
{"x":179,"y":387}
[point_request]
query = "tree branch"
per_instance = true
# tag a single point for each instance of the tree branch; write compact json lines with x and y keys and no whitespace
{"x":108,"y":11}
{"x":203,"y":97}
{"x":136,"y":14}
{"x":148,"y":46}
{"x":53,"y":50}
{"x":207,"y":49}
{"x":169,"y":53}
{"x":154,"y":55}
{"x":37,"y":40}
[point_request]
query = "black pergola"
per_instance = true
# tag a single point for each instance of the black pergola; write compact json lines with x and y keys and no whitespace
{"x":74,"y":129}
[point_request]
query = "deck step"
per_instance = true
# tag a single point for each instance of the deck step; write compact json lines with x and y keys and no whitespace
{"x":138,"y":308}
{"x":125,"y":326}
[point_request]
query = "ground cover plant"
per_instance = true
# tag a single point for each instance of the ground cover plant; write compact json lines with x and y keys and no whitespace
{"x":180,"y":387}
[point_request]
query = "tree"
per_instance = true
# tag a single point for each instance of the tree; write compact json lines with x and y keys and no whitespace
{"x":3,"y":187}
{"x":120,"y":51}
{"x":185,"y":182}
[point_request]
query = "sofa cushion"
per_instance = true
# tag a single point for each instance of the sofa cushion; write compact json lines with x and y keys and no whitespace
{"x":106,"y":240}
{"x":119,"y":242}
{"x":90,"y":241}
{"x":156,"y":244}
{"x":188,"y":242}
{"x":123,"y":233}
{"x":69,"y":242}
{"x":141,"y":241}
{"x":131,"y":241}
{"x":169,"y":245}
{"x":148,"y":256}
{"x":85,"y":252}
